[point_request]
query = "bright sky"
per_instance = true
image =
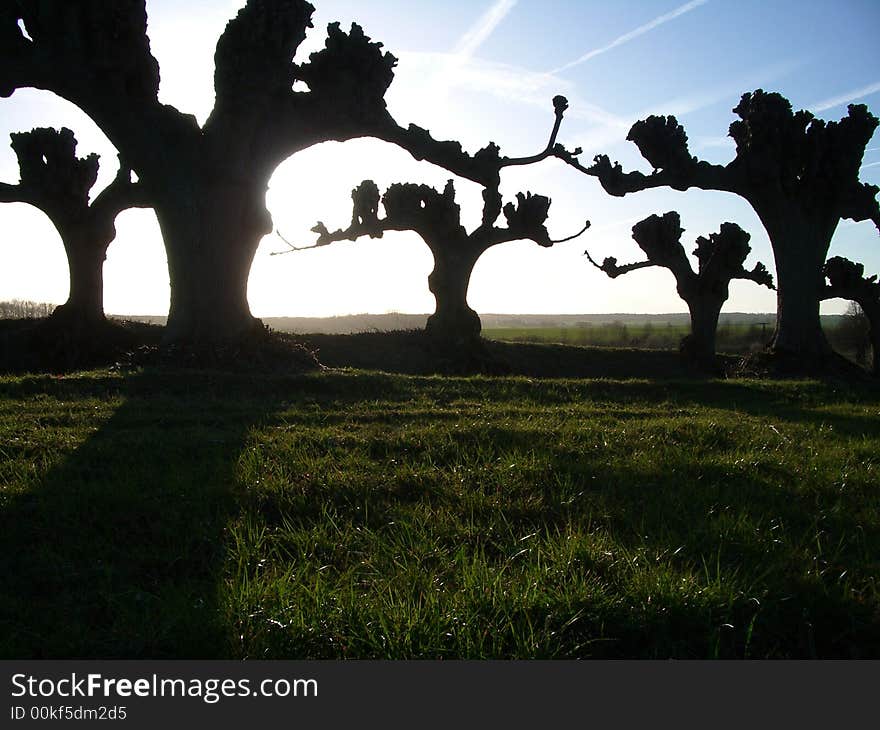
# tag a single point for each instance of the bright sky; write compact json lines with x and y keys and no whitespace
{"x":480,"y":71}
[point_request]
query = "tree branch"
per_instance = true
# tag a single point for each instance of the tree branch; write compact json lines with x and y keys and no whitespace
{"x":16,"y":194}
{"x":484,"y":167}
{"x":758,"y":274}
{"x":346,"y":80}
{"x":560,"y":104}
{"x":848,"y":281}
{"x":572,"y":237}
{"x":253,"y":61}
{"x":663,"y":142}
{"x":90,"y":52}
{"x":526,"y":221}
{"x":121,"y":194}
{"x":613,"y":270}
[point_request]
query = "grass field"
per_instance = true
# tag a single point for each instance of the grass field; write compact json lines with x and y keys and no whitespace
{"x":357,"y":514}
{"x":732,"y":338}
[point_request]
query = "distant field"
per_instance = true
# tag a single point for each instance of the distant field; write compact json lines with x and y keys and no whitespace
{"x":732,"y":338}
{"x":359,"y":514}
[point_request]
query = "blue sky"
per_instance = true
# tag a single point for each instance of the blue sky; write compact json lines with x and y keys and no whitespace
{"x":480,"y":71}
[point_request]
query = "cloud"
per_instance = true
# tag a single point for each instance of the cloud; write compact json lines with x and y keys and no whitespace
{"x":499,"y":80}
{"x":600,"y":137}
{"x":435,"y":83}
{"x":830,"y":103}
{"x":633,"y":34}
{"x":870,"y":164}
{"x":477,"y":34}
{"x":708,"y":142}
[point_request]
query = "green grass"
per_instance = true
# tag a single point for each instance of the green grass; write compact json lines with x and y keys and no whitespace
{"x":732,"y":338}
{"x":356,"y":514}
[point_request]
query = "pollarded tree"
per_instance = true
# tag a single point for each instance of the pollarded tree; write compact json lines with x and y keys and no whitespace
{"x":57,"y":182}
{"x":800,"y":175}
{"x":208,"y":184}
{"x":720,"y":259}
{"x":847,"y":280}
{"x":435,"y":217}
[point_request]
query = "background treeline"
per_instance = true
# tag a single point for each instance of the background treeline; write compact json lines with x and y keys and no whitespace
{"x":738,"y":332}
{"x":24,"y":309}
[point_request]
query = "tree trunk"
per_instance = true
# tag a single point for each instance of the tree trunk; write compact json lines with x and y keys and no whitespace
{"x":453,"y":321}
{"x":699,"y":345}
{"x":85,"y":262}
{"x":872,"y":312}
{"x":211,"y":234}
{"x":800,"y":246}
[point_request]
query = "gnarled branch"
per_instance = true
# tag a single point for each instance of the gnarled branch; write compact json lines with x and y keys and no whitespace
{"x":848,"y":281}
{"x":484,"y":167}
{"x":613,"y":269}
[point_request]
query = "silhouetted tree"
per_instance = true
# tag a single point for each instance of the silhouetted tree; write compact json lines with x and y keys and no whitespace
{"x":436,"y":218}
{"x":207,"y":184}
{"x":801,"y":176}
{"x":57,"y":182}
{"x":720,"y":258}
{"x":847,"y":280}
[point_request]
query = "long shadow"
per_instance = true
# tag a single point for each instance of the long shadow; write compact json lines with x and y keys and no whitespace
{"x":795,"y":402}
{"x":414,"y":353}
{"x":116,"y":551}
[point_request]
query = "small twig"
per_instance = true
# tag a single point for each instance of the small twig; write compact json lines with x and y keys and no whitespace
{"x":590,"y":259}
{"x":571,"y":238}
{"x":560,"y":104}
{"x":291,"y":248}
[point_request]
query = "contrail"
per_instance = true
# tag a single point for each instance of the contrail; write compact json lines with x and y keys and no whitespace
{"x":821,"y":106}
{"x":641,"y":30}
{"x":483,"y":28}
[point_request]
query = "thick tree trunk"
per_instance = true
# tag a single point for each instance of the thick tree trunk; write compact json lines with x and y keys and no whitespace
{"x":453,"y":321}
{"x":872,"y":312}
{"x":799,"y":248}
{"x":699,"y":345}
{"x":211,"y":234}
{"x":85,"y":261}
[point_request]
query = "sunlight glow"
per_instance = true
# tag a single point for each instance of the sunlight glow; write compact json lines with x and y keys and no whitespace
{"x":474,"y":79}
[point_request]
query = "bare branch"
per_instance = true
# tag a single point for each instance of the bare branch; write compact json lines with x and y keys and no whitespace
{"x":572,"y":237}
{"x":364,"y":221}
{"x":121,"y":194}
{"x":758,"y":274}
{"x":16,"y":194}
{"x":560,"y":104}
{"x":347,"y":81}
{"x":848,"y":281}
{"x":253,"y":62}
{"x":325,"y":238}
{"x":526,"y":221}
{"x":93,"y":53}
{"x":613,"y":270}
{"x":484,"y":167}
{"x":663,"y":142}
{"x":722,"y":255}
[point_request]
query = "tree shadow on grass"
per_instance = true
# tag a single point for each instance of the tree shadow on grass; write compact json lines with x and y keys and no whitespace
{"x":806,"y":402}
{"x":116,"y":551}
{"x":121,"y":548}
